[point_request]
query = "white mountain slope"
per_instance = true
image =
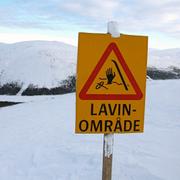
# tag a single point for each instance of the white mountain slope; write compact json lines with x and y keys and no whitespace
{"x":47,"y":63}
{"x":41,"y":63}
{"x":163,"y":59}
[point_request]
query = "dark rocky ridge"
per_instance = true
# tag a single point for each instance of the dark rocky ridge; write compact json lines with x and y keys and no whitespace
{"x":68,"y":85}
{"x":6,"y":103}
{"x":171,"y":73}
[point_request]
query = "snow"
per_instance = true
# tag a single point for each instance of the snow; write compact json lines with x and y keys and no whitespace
{"x":113,"y":28}
{"x":16,"y":98}
{"x":37,"y":140}
{"x":48,"y":63}
{"x":41,"y":63}
{"x":108,"y":145}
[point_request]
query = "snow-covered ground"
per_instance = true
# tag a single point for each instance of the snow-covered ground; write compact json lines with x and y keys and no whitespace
{"x":37,"y":140}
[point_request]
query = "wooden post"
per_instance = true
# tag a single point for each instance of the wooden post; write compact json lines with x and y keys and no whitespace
{"x":108,"y":139}
{"x":107,"y":156}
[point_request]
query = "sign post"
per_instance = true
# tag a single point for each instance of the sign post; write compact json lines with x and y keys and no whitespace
{"x":108,"y":142}
{"x":108,"y":139}
{"x":110,"y":87}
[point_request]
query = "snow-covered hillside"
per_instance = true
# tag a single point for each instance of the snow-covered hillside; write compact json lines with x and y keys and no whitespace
{"x":41,"y":63}
{"x":164,"y":59}
{"x":48,"y":63}
{"x":37,"y":140}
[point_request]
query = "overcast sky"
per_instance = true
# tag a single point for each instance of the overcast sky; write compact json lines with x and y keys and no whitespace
{"x":61,"y":20}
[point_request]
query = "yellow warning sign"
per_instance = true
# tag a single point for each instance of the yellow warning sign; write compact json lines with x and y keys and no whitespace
{"x":111,"y":77}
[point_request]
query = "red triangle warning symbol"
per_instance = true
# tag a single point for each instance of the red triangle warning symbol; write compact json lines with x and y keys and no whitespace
{"x":84,"y":95}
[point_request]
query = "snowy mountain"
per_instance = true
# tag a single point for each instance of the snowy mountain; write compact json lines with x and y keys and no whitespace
{"x":47,"y":64}
{"x":41,"y":63}
{"x":164,"y":59}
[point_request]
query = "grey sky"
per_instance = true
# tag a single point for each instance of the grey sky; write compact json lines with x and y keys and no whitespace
{"x":155,"y":17}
